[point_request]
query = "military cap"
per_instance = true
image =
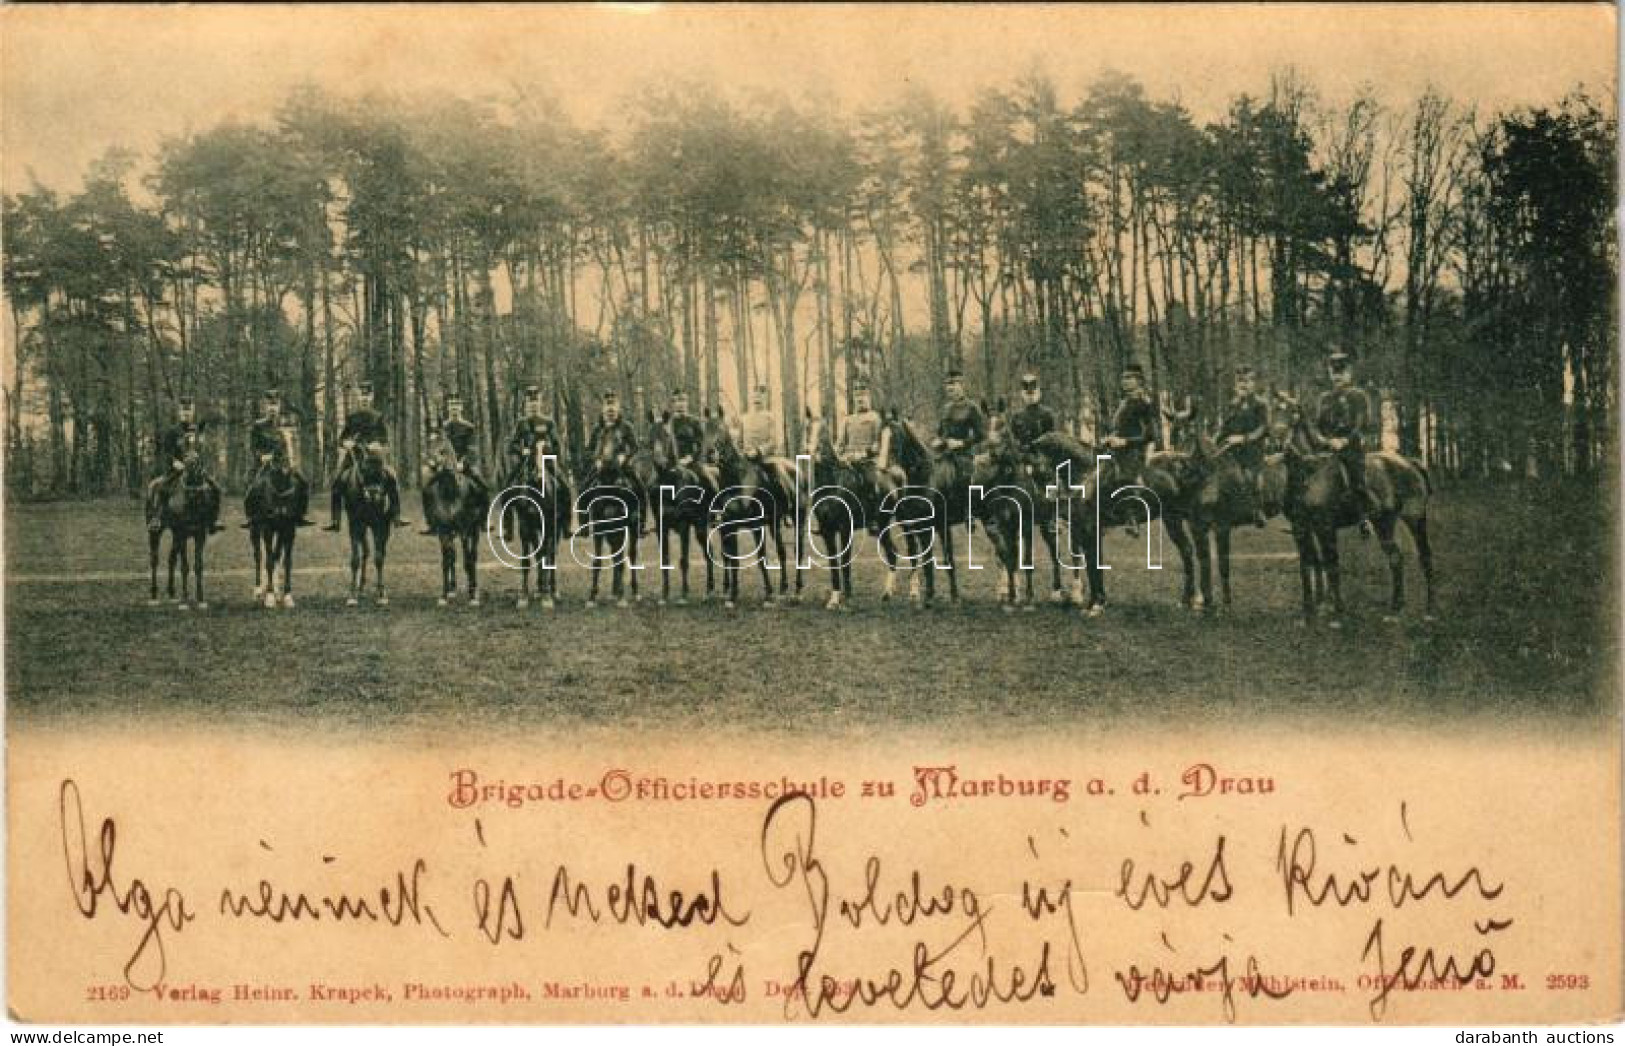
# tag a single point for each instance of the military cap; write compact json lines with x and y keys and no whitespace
{"x":1339,"y":358}
{"x":1029,"y":382}
{"x":953,"y":375}
{"x":1244,"y":370}
{"x":1135,"y":370}
{"x":364,"y":388}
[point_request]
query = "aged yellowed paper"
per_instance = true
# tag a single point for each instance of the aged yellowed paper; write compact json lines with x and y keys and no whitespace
{"x":991,"y":514}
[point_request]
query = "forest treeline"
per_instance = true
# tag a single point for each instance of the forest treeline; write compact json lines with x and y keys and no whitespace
{"x":430,"y":246}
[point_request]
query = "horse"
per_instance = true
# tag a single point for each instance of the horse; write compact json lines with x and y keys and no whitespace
{"x":366,"y":508}
{"x":274,"y":503}
{"x":188,"y":513}
{"x":1014,"y":505}
{"x":757,"y":505}
{"x":835,"y":508}
{"x":615,"y":488}
{"x":1161,"y":491}
{"x":542,"y":504}
{"x":454,"y":509}
{"x":687,"y":517}
{"x":905,"y":502}
{"x":1320,"y":501}
{"x":1221,"y":499}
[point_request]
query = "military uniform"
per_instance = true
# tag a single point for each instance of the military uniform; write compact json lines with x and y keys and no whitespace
{"x":961,"y":420}
{"x":761,"y":437}
{"x":528,"y":431}
{"x":688,"y":444}
{"x":858,"y":444}
{"x":1029,"y":423}
{"x":1246,"y":416}
{"x":1135,"y":422}
{"x":612,"y":441}
{"x":1345,"y":413}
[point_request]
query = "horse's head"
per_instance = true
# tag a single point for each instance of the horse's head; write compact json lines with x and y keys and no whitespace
{"x":663,"y":442}
{"x":1298,"y":442}
{"x":998,"y":454}
{"x":1272,"y":483}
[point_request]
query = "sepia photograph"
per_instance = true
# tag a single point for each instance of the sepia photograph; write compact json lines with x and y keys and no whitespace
{"x":485,"y":489}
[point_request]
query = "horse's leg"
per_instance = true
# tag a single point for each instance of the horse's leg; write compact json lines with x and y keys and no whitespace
{"x":471,"y":557}
{"x":254,"y":546}
{"x":155,"y":538}
{"x":633,"y":540}
{"x":730,"y":569}
{"x":705,"y":548}
{"x":1221,"y":536}
{"x":778,"y":549}
{"x":597,"y":566}
{"x":1396,"y":565}
{"x":285,"y":546}
{"x":1179,"y":531}
{"x":1029,"y":534}
{"x":183,"y":553}
{"x":1308,"y":569}
{"x":174,"y":551}
{"x":761,"y":565}
{"x":448,"y":569}
{"x":888,"y":558}
{"x":1202,"y":537}
{"x":1424,"y":553}
{"x":1333,"y":569}
{"x":1097,"y":577}
{"x":358,"y":566}
{"x":197,"y":569}
{"x":380,"y":541}
{"x":686,"y":538}
{"x":850,"y":537}
{"x":953,"y":573}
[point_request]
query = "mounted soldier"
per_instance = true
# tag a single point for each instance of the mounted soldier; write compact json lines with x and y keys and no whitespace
{"x":960,"y":429}
{"x":175,"y":444}
{"x":688,"y":442}
{"x":366,"y":430}
{"x":533,"y":428}
{"x":761,"y":438}
{"x":268,"y":444}
{"x":612,"y":443}
{"x":858,"y":445}
{"x":1243,"y":428}
{"x":1032,"y":421}
{"x":1341,"y":419}
{"x":458,"y":435}
{"x":1133,"y":432}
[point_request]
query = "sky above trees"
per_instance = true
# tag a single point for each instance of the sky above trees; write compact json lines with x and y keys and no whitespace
{"x":77,"y":81}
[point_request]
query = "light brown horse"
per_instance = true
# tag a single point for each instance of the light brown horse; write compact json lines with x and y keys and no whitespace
{"x":1320,"y":501}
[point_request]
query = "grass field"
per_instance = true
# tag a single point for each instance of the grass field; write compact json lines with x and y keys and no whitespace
{"x":1526,"y":627}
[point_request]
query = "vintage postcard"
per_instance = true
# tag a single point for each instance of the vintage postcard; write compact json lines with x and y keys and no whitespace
{"x":903,"y":514}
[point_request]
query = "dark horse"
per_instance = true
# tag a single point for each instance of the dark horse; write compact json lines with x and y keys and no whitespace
{"x":454,"y":507}
{"x":1319,"y":502}
{"x":541,"y":502}
{"x":686,"y":513}
{"x":615,"y":509}
{"x":1118,"y":497}
{"x":276,"y":501}
{"x":906,"y":505}
{"x":188,"y":512}
{"x":835,"y":508}
{"x":1221,"y":498}
{"x":366,"y":508}
{"x":1015,"y":503}
{"x":753,"y":503}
